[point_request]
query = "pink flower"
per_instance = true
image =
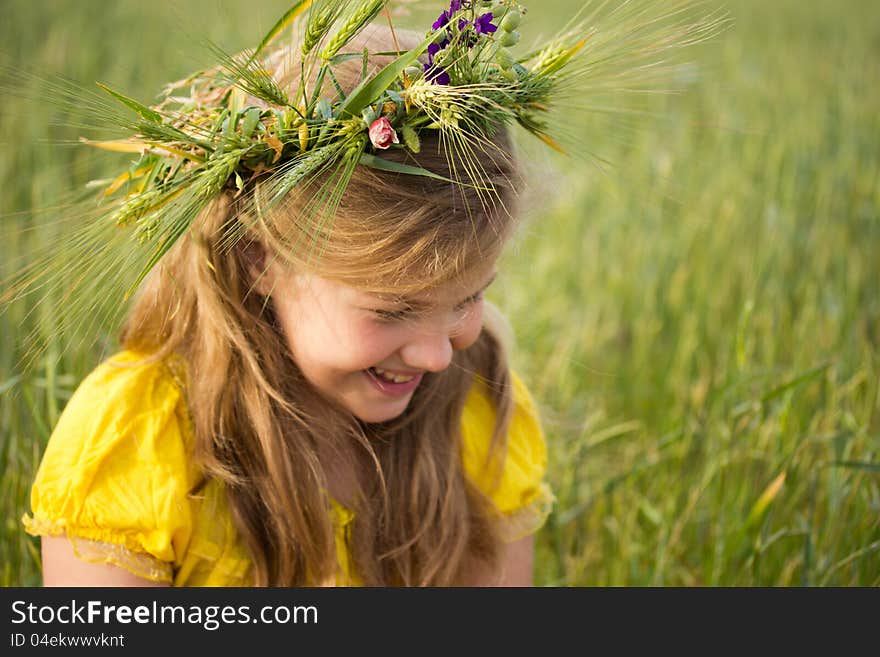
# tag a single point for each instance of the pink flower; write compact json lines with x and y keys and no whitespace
{"x":382,"y":134}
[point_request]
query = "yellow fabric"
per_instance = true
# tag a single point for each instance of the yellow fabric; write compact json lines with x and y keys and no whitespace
{"x":517,"y":488}
{"x":116,"y":475}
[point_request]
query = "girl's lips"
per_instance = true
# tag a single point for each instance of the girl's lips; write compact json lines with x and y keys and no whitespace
{"x":390,"y":388}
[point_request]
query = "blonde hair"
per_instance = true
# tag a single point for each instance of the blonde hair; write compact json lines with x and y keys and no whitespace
{"x":418,"y":520}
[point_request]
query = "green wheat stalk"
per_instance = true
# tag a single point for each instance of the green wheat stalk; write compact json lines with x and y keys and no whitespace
{"x":321,"y":20}
{"x":252,"y":77}
{"x":362,"y":16}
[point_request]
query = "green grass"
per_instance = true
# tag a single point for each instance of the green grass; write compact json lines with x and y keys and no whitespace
{"x":700,"y":326}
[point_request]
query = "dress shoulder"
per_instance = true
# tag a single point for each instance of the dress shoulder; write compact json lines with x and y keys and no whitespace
{"x":515,"y":480}
{"x":116,"y":471}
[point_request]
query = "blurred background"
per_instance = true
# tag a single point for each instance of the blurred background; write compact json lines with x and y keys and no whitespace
{"x":698,"y":317}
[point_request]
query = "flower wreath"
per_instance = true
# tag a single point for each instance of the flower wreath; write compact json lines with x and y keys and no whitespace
{"x":462,"y":80}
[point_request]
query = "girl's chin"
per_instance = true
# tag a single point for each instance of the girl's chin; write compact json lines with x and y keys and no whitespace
{"x":373,"y":410}
{"x":377,"y":416}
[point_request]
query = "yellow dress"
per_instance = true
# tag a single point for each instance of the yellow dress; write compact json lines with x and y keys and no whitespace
{"x":116,"y":475}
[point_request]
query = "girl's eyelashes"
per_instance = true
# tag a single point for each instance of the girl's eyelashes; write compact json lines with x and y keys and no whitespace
{"x":392,"y":315}
{"x":401,"y":314}
{"x":468,"y":302}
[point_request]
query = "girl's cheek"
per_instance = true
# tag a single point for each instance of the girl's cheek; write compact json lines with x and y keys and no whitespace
{"x":379,"y":337}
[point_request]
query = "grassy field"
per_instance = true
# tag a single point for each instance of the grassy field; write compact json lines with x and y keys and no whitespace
{"x":700,"y":323}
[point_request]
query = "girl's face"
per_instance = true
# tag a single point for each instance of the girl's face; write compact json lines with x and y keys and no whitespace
{"x":370,"y":353}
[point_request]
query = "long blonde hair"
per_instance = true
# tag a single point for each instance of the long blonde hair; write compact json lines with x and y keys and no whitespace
{"x":418,"y":520}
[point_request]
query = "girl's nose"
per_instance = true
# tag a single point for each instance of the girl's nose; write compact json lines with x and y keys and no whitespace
{"x":431,"y":352}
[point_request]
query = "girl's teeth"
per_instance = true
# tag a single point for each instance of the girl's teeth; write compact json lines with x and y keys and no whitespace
{"x":396,"y":378}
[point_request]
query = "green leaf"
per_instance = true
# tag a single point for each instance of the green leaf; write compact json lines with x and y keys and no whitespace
{"x":410,"y":138}
{"x":369,"y":90}
{"x":867,"y":466}
{"x":288,"y":17}
{"x":150,"y":115}
{"x":396,"y":167}
{"x":339,"y":90}
{"x":348,"y":56}
{"x":251,"y":119}
{"x":793,"y":383}
{"x":316,"y":92}
{"x":324,"y":109}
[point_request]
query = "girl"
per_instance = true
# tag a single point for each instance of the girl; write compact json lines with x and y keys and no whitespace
{"x":312,"y":389}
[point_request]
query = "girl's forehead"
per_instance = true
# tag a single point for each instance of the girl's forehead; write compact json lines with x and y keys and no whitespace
{"x":415,"y":293}
{"x":428,"y":295}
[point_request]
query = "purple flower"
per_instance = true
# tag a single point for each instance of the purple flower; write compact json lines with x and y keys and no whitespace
{"x":447,"y":14}
{"x":484,"y":24}
{"x":436,"y":74}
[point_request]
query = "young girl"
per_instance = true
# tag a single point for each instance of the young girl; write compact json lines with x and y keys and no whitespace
{"x":312,"y":389}
{"x":313,"y":393}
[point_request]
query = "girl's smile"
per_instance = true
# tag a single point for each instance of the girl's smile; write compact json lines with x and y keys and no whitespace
{"x":397,"y":385}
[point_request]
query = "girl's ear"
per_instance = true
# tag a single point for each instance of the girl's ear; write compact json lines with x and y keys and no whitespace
{"x":259,"y":266}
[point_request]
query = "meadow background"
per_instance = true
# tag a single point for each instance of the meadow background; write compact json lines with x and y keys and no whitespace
{"x":699,"y":321}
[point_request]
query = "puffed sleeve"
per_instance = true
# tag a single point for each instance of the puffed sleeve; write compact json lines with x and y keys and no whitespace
{"x":115,"y":474}
{"x":518,"y":488}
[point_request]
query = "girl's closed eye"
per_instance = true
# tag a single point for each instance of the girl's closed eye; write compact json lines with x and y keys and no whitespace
{"x":395,"y":315}
{"x":401,"y":314}
{"x":390,"y":315}
{"x":464,"y":305}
